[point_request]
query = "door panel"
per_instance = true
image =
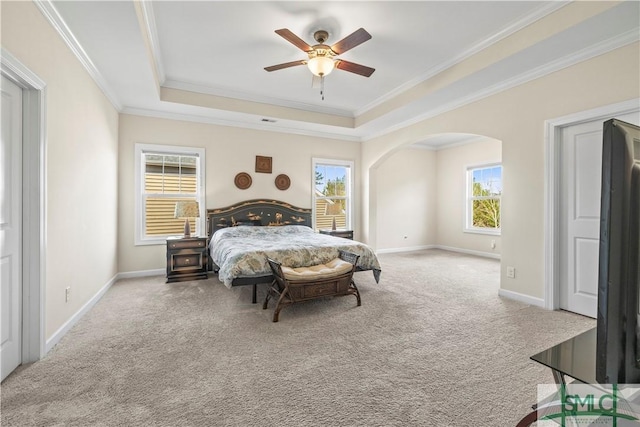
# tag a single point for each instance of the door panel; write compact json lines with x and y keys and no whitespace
{"x":11,"y":228}
{"x":586,"y":271}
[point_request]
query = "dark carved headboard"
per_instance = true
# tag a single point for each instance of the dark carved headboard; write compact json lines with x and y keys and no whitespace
{"x":257,"y":212}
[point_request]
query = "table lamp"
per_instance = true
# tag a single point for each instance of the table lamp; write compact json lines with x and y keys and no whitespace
{"x":334,"y":209}
{"x":187,"y":209}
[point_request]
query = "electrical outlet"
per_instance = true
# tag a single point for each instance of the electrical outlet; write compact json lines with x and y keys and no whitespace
{"x":67,"y":294}
{"x":511,"y":272}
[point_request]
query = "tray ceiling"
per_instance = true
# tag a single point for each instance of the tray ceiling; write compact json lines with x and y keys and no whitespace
{"x":205,"y":61}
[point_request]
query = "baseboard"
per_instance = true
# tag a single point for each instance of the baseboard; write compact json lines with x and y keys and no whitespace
{"x":527,"y":299}
{"x":444,"y":248}
{"x":62,"y":331}
{"x":408,"y":249}
{"x":141,"y":273}
{"x":57,"y":336}
{"x":468,"y":251}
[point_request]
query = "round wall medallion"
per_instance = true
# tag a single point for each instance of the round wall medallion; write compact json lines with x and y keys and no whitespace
{"x":282,"y":182}
{"x":243,"y":180}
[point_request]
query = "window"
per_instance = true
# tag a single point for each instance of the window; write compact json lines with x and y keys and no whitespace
{"x":332,"y":194}
{"x":165,"y":175}
{"x":484,"y":190}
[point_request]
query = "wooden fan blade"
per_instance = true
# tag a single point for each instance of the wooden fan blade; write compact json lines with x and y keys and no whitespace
{"x":293,"y":39}
{"x":352,"y":40}
{"x":352,"y":67}
{"x":285,"y":65}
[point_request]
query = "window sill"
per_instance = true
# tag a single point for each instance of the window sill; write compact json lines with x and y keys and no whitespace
{"x":154,"y":241}
{"x":487,"y":231}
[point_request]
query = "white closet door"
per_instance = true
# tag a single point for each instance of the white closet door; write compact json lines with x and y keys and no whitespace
{"x":11,"y":228}
{"x":580,"y":175}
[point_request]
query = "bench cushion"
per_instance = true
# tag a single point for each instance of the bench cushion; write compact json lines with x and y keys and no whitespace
{"x":333,"y":268}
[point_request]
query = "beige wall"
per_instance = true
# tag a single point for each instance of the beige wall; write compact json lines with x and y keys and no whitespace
{"x":81,"y":165}
{"x":228,"y":151}
{"x":452,"y":166}
{"x":516,"y":117}
{"x":407,"y":200}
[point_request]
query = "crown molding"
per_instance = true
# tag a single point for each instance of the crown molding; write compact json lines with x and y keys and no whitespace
{"x":269,"y":127}
{"x":473,"y":140}
{"x":424,"y":145}
{"x":603,"y":47}
{"x":510,"y":29}
{"x":149,"y":19}
{"x":51,"y":14}
{"x":234,"y":94}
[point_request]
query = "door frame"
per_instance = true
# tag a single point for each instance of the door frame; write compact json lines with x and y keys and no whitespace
{"x":33,"y":204}
{"x":553,"y":137}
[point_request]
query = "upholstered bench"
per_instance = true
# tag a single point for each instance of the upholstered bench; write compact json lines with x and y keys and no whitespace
{"x":292,"y":285}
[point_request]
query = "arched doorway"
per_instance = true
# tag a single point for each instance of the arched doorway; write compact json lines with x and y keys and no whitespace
{"x":418,"y":193}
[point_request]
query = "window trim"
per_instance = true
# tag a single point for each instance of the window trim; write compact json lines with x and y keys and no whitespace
{"x":468,"y":202}
{"x":350,"y":164}
{"x":140,"y":238}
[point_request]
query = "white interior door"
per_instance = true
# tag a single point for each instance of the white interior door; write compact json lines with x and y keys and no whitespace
{"x":580,"y":185}
{"x":11,"y":228}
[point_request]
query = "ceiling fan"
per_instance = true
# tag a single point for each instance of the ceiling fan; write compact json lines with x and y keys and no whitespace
{"x":321,"y":58}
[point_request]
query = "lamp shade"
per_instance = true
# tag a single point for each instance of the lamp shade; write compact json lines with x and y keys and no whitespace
{"x":321,"y":65}
{"x":333,"y":209}
{"x":187,"y":209}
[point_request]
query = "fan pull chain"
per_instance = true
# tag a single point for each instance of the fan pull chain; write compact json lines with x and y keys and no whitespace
{"x":322,"y":86}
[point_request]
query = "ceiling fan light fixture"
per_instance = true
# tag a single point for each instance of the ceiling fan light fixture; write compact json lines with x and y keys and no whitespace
{"x":321,"y":65}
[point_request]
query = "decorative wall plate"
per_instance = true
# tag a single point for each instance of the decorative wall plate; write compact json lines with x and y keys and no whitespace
{"x":263,"y":164}
{"x":282,"y":182}
{"x":243,"y":180}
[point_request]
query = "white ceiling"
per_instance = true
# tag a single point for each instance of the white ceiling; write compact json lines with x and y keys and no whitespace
{"x":220,"y":49}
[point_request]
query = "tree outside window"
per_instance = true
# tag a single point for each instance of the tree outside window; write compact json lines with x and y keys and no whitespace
{"x":484,"y":189}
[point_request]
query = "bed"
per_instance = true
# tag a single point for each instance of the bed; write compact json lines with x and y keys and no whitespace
{"x":242,"y":236}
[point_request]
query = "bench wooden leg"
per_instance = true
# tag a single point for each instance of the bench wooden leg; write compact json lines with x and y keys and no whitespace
{"x":357,"y":292}
{"x":266,"y":300}
{"x":279,"y":305}
{"x":270,"y":292}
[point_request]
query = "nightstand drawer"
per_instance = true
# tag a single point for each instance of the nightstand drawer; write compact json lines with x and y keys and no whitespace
{"x":187,"y":260}
{"x":186,"y":244}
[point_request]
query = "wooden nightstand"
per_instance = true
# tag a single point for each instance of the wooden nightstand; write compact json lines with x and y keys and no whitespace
{"x":186,"y":259}
{"x":347,"y":234}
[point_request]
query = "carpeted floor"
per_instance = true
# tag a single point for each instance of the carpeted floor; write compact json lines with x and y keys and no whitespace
{"x":431,"y":345}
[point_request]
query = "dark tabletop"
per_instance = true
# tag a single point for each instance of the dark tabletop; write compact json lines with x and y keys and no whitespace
{"x":575,"y":357}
